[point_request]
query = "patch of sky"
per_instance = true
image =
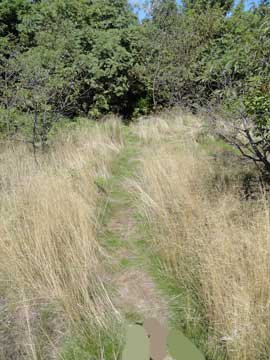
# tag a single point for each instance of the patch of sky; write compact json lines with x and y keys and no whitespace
{"x":140,"y":6}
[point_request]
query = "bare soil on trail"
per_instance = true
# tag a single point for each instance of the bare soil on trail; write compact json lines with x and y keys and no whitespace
{"x":136,"y":290}
{"x":123,"y":223}
{"x":138,"y":293}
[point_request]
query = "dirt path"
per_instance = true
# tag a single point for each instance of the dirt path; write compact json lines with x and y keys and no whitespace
{"x":137,"y":295}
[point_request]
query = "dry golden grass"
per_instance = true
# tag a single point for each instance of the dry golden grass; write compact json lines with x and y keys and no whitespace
{"x":49,"y":252}
{"x":212,"y":242}
{"x":164,"y":127}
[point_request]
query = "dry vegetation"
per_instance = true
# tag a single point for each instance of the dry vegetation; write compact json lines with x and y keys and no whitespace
{"x":50,"y":261}
{"x":216,"y":245}
{"x":212,"y":242}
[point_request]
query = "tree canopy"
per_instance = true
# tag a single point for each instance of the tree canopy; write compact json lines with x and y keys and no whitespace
{"x":94,"y":57}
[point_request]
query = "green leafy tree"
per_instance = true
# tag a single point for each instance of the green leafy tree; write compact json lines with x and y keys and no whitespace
{"x":164,"y":13}
{"x":94,"y":41}
{"x":10,"y":14}
{"x":173,"y":51}
{"x":203,"y":5}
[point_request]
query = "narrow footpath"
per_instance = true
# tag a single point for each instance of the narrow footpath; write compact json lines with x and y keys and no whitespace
{"x":137,"y":294}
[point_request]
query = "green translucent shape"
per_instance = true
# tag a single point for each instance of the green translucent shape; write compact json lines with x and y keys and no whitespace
{"x":137,"y":344}
{"x":181,"y":348}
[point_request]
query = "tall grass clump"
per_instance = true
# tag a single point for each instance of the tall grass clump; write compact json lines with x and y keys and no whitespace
{"x":214,"y":244}
{"x":50,"y":260}
{"x":164,"y":126}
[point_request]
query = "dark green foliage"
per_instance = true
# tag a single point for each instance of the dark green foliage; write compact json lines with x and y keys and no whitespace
{"x":203,"y":56}
{"x":173,"y":53}
{"x":75,"y":57}
{"x":90,"y":46}
{"x":202,"y":5}
{"x":164,"y":13}
{"x":10,"y":14}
